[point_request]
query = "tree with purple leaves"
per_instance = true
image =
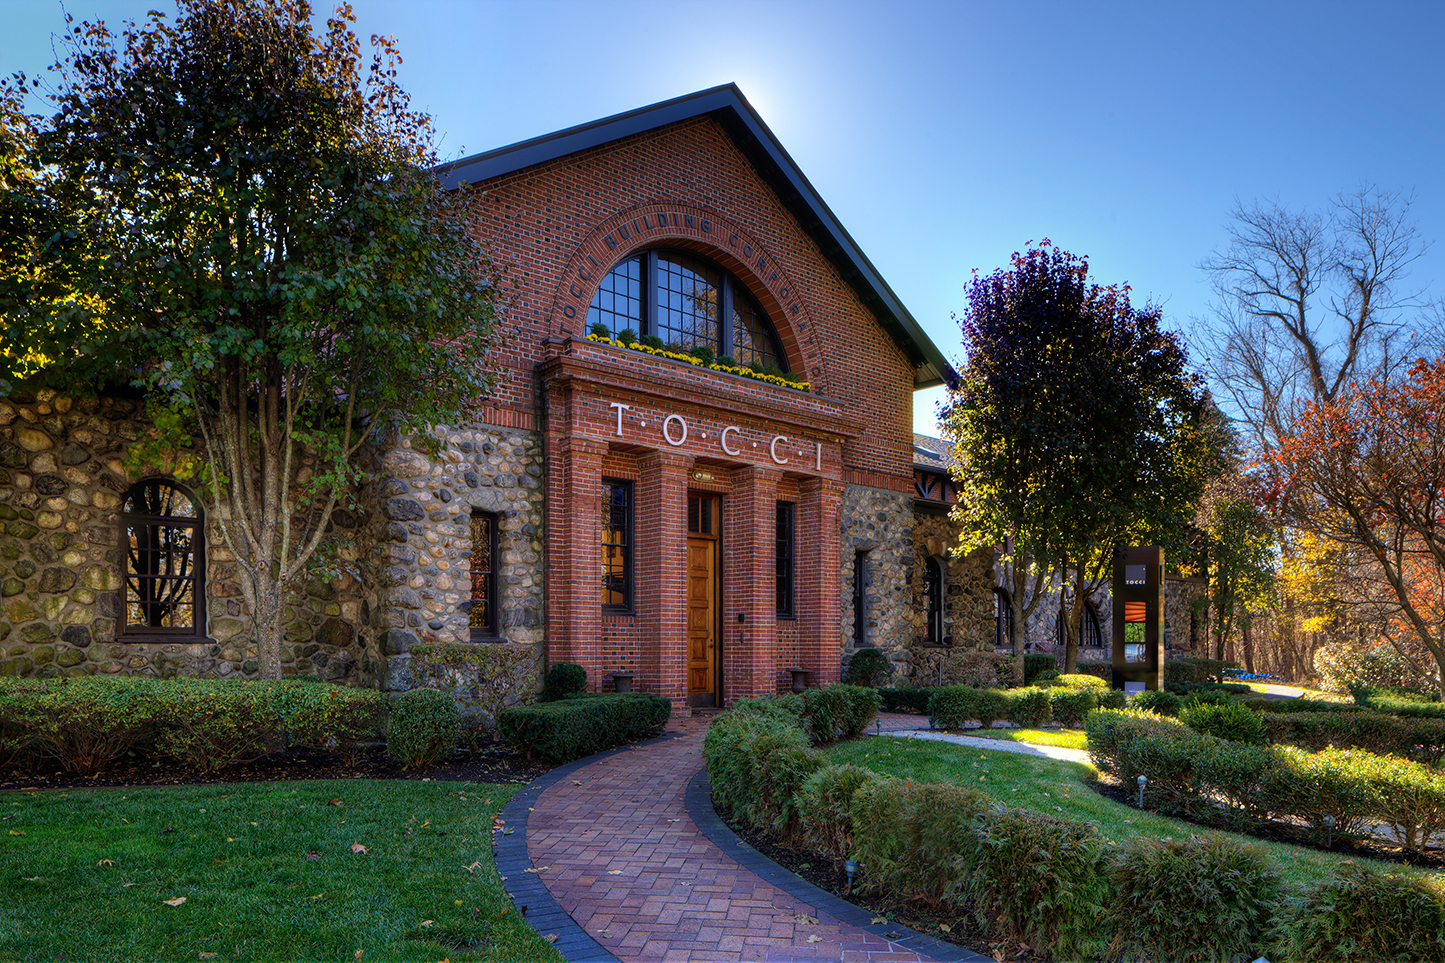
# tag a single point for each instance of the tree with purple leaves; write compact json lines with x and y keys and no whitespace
{"x":1077,"y":426}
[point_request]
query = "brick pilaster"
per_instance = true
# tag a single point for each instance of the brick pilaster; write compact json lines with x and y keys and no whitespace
{"x":820,"y":504}
{"x":750,"y":663}
{"x":660,"y":563}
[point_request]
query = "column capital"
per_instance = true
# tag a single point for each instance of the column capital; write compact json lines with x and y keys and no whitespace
{"x":661,"y":460}
{"x":758,"y":474}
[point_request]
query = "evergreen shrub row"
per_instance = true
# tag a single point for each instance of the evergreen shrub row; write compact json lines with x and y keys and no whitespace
{"x":1066,"y":699}
{"x":84,"y":724}
{"x":1051,"y":883}
{"x":1204,"y":776}
{"x":583,"y":724}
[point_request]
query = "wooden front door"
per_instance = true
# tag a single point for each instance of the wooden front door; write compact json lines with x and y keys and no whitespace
{"x":702,"y":601}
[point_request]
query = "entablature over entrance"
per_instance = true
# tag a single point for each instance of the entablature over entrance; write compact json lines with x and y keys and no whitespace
{"x":635,"y":402}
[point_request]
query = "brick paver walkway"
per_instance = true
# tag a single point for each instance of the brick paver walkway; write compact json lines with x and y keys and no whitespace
{"x":618,"y":854}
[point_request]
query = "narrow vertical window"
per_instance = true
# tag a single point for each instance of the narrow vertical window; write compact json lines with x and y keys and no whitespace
{"x":616,"y":546}
{"x":161,"y":542}
{"x":787,"y":517}
{"x":1003,"y":621}
{"x":483,"y":618}
{"x":860,"y":599}
{"x":1090,"y":634}
{"x":933,"y":591}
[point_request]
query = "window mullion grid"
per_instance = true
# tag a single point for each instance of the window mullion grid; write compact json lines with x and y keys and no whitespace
{"x":649,"y":294}
{"x":725,"y":319}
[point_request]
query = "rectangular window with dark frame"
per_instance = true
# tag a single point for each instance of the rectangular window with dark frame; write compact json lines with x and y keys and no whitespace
{"x":483,"y":619}
{"x":616,"y":546}
{"x":860,"y":599}
{"x":787,"y":551}
{"x":162,"y":545}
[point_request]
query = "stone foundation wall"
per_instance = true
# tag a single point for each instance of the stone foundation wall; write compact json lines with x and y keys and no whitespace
{"x":62,"y":479}
{"x":422,"y":524}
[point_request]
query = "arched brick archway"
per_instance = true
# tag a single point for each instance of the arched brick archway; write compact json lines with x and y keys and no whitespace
{"x":711,"y":235}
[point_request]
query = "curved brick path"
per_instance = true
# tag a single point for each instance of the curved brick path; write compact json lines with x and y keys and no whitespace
{"x":624,"y":871}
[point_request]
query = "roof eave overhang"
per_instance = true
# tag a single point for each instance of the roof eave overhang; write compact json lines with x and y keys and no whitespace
{"x":729,"y":108}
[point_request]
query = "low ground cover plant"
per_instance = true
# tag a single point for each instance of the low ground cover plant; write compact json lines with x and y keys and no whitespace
{"x":321,"y":870}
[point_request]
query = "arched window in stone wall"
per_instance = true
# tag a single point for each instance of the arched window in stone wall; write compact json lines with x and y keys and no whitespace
{"x":679,"y":298}
{"x":1003,"y":621}
{"x":934,"y":580}
{"x":162,"y":541}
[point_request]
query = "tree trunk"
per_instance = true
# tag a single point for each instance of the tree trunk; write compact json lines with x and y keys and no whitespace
{"x":1248,"y":647}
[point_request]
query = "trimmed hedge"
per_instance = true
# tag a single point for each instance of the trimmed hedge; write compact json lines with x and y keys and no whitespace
{"x":583,"y":725}
{"x":1192,"y":774}
{"x":1227,"y":720}
{"x":954,"y":706}
{"x":85,"y":723}
{"x":1205,"y":898}
{"x":1037,"y":663}
{"x":1420,"y":739}
{"x":1038,"y":880}
{"x":423,"y":728}
{"x":1402,"y":706}
{"x":905,"y":700}
{"x":908,"y":836}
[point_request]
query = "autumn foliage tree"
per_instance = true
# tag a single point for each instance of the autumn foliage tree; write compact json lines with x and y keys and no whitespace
{"x":1366,"y":472}
{"x":234,"y":214}
{"x":1077,"y":426}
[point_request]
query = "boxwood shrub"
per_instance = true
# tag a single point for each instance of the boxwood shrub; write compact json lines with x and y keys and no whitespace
{"x":1028,"y":707}
{"x":582,"y":725}
{"x":1227,"y":720}
{"x":423,"y":728}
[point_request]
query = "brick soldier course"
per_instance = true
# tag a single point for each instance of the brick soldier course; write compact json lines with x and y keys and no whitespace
{"x":627,"y":861}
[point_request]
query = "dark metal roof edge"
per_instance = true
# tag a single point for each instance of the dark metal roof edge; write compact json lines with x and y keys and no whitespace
{"x":731,"y":108}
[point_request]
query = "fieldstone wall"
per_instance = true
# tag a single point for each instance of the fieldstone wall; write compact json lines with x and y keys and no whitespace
{"x":880,"y":523}
{"x":422,"y":523}
{"x":62,"y":478}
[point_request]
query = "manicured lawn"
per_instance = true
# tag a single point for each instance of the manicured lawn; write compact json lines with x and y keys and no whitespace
{"x":325,"y":870}
{"x":1053,"y":787}
{"x":1063,"y":738}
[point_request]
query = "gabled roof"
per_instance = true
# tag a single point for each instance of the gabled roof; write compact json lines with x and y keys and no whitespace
{"x":931,"y":454}
{"x":729,"y":108}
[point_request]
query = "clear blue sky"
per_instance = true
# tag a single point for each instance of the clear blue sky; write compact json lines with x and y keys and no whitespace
{"x":947,"y":135}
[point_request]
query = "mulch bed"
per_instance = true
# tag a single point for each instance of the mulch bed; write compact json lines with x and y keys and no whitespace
{"x":489,"y":764}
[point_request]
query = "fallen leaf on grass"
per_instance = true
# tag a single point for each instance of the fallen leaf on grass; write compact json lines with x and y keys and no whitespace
{"x":174,"y":902}
{"x":312,"y":855}
{"x":359,"y":849}
{"x":36,"y":879}
{"x":474,"y":867}
{"x":106,"y":862}
{"x":17,"y":832}
{"x":317,"y":896}
{"x":334,"y":802}
{"x":427,"y":922}
{"x":358,"y":954}
{"x":207,"y":956}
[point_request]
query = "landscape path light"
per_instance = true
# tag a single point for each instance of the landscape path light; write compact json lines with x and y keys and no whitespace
{"x":1143,"y":781}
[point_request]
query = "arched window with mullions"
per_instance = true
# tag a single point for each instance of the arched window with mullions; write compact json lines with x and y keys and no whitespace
{"x":686,"y":301}
{"x":162,"y":544}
